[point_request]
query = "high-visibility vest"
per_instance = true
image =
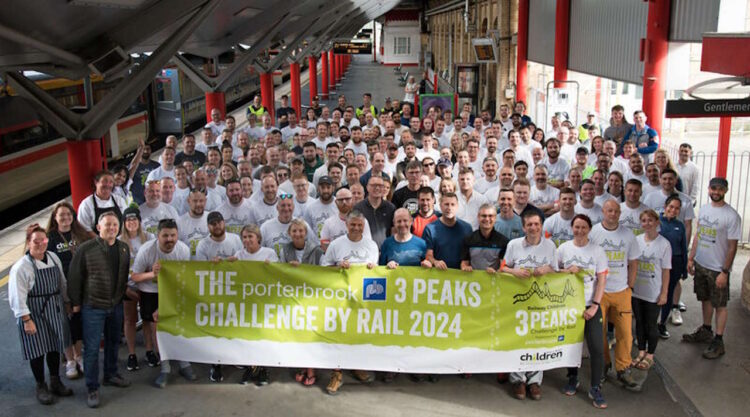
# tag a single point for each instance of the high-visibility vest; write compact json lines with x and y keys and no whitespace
{"x":257,"y":112}
{"x":373,"y":110}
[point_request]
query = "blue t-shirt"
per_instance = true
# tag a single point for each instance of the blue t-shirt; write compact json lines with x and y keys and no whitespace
{"x":446,"y":242}
{"x":512,"y":228}
{"x":409,"y":253}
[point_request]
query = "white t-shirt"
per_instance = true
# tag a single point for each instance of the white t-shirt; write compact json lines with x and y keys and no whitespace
{"x":317,"y":212}
{"x":468,"y":210}
{"x":519,"y":254}
{"x":620,"y":247}
{"x":656,"y":200}
{"x":690,"y":176}
{"x":648,"y":189}
{"x":482,"y":185}
{"x":262,"y":212}
{"x":357,"y":148}
{"x":594,"y":213}
{"x":208,"y":248}
{"x":288,"y":132}
{"x":192,"y":230}
{"x":179,"y":200}
{"x":590,"y":258}
{"x":276,"y":234}
{"x":601,"y":199}
{"x":86,"y":211}
{"x":568,"y":151}
{"x":149,"y":253}
{"x":236,"y":217}
{"x":214,"y":200}
{"x":631,"y":218}
{"x":557,"y":229}
{"x":321,"y":143}
{"x":343,"y":249}
{"x":653,"y":258}
{"x":150,"y":217}
{"x":334,"y":227}
{"x":262,"y":255}
{"x":539,"y":197}
{"x":159,"y":173}
{"x":557,"y":171}
{"x":716,"y":227}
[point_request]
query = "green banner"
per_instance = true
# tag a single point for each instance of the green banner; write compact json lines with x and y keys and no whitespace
{"x":407,"y":319}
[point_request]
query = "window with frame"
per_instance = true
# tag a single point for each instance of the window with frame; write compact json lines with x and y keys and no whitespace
{"x":401,"y":45}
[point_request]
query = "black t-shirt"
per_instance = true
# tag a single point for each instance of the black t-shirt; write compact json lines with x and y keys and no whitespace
{"x":484,"y":252}
{"x":62,"y":244}
{"x":198,"y":158}
{"x":283,"y":111}
{"x":406,"y":198}
{"x":531,"y":208}
{"x":139,"y":180}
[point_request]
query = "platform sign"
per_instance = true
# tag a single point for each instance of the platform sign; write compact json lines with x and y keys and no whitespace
{"x":356,"y":48}
{"x":708,"y":108}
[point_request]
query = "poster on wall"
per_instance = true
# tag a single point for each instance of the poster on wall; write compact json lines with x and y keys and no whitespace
{"x":467,"y":83}
{"x":427,"y":101}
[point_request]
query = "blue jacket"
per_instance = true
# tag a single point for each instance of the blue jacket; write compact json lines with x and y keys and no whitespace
{"x":647,"y":136}
{"x":674,"y":231}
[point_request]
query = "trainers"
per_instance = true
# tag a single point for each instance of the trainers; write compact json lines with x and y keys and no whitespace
{"x":92,"y":400}
{"x":363,"y":376}
{"x":519,"y":390}
{"x":43,"y":395}
{"x":681,"y":306}
{"x":676,"y":317}
{"x":714,"y":350}
{"x":607,"y":369}
{"x":595,"y":394}
{"x":247,"y":376}
{"x":161,"y":380}
{"x":215,"y":374}
{"x":71,"y":370}
{"x":625,"y":377}
{"x":700,"y":335}
{"x":79,"y":362}
{"x":116,"y":381}
{"x":535,"y":392}
{"x":152,"y":358}
{"x":663,"y":333}
{"x":188,"y":373}
{"x":337,"y":380}
{"x":56,"y":387}
{"x":133,"y":363}
{"x":261,"y":376}
{"x":572,"y":386}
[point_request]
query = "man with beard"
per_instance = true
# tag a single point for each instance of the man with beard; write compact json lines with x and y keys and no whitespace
{"x":266,"y":208}
{"x":145,"y":166}
{"x":558,"y":227}
{"x":153,"y":210}
{"x":557,"y":169}
{"x":426,"y":213}
{"x":318,"y":211}
{"x":189,"y":153}
{"x":377,"y":210}
{"x":193,"y":225}
{"x":275,"y":231}
{"x":335,"y":226}
{"x":406,"y":197}
{"x":236,"y":214}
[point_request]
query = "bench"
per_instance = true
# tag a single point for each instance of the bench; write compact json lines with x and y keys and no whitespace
{"x":402,"y":80}
{"x":397,"y":70}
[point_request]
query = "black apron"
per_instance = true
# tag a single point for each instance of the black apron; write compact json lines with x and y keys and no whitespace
{"x":98,"y":211}
{"x":45,"y":302}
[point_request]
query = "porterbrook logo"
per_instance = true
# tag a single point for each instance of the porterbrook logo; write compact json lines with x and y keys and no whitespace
{"x":541,"y":356}
{"x":373,"y":289}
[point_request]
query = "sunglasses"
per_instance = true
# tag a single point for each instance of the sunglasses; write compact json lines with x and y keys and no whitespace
{"x":286,"y":196}
{"x":429,"y":164}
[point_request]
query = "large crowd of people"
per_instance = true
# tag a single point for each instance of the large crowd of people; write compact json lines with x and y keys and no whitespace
{"x":356,"y":185}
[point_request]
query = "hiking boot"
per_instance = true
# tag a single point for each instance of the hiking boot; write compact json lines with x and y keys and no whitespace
{"x":625,"y":377}
{"x":595,"y":394}
{"x":116,"y":381}
{"x":161,"y":380}
{"x":663,"y":333}
{"x":337,"y":380}
{"x":152,"y":359}
{"x":362,"y":376}
{"x":43,"y":395}
{"x":715,"y":349}
{"x":56,"y":387}
{"x":519,"y":390}
{"x":92,"y":400}
{"x":71,"y":370}
{"x":535,"y":392}
{"x":133,"y":363}
{"x":700,"y":335}
{"x":572,"y":386}
{"x":676,"y":317}
{"x":214,"y":375}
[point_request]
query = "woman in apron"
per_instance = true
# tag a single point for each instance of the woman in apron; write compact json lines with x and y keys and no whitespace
{"x":36,"y":289}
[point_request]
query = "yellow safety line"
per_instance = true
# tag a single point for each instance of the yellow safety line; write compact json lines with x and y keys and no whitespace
{"x":4,"y":280}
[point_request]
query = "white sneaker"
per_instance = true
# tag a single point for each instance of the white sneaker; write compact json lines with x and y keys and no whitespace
{"x":71,"y":372}
{"x":79,"y":361}
{"x":676,"y":317}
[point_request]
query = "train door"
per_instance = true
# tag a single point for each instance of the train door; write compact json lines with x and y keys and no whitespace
{"x":168,"y":117}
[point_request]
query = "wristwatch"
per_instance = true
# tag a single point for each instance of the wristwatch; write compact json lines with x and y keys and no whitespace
{"x":724,"y":270}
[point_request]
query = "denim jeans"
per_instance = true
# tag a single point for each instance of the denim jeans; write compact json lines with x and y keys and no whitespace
{"x":95,"y":322}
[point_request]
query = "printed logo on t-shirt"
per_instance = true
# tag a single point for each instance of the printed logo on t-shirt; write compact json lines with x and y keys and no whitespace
{"x":707,"y":230}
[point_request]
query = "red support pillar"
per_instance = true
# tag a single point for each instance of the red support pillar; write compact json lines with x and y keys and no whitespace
{"x":337,"y":68}
{"x":296,"y":93}
{"x":435,"y":83}
{"x":266,"y":93}
{"x":562,"y":31}
{"x":725,"y":129}
{"x":84,"y":161}
{"x":313,"y":64}
{"x":324,"y":76}
{"x":522,"y":78}
{"x":331,"y":70}
{"x":654,"y":54}
{"x":215,"y":100}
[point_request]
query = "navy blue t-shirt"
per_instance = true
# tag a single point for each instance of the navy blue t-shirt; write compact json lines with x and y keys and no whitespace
{"x":446,"y":242}
{"x":409,"y":253}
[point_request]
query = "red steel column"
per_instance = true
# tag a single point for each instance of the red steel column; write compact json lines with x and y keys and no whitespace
{"x":331,"y":70}
{"x":654,"y":54}
{"x":266,"y":93}
{"x":725,"y":129}
{"x":324,"y":76}
{"x":562,"y":31}
{"x":337,"y":68}
{"x":522,"y":78}
{"x":215,"y":100}
{"x":296,"y":92}
{"x":313,"y":64}
{"x":84,"y":161}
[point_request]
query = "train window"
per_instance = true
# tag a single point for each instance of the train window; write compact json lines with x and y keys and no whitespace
{"x":163,"y":89}
{"x":21,"y":128}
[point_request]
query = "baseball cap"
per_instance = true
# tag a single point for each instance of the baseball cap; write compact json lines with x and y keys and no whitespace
{"x":325,"y":179}
{"x":718,"y":182}
{"x":300,"y":159}
{"x":214,"y":216}
{"x":591,"y":113}
{"x":316,"y":98}
{"x":582,"y":150}
{"x":444,"y":162}
{"x":131,"y":212}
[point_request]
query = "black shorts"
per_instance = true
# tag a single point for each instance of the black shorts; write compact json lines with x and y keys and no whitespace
{"x":149,"y":303}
